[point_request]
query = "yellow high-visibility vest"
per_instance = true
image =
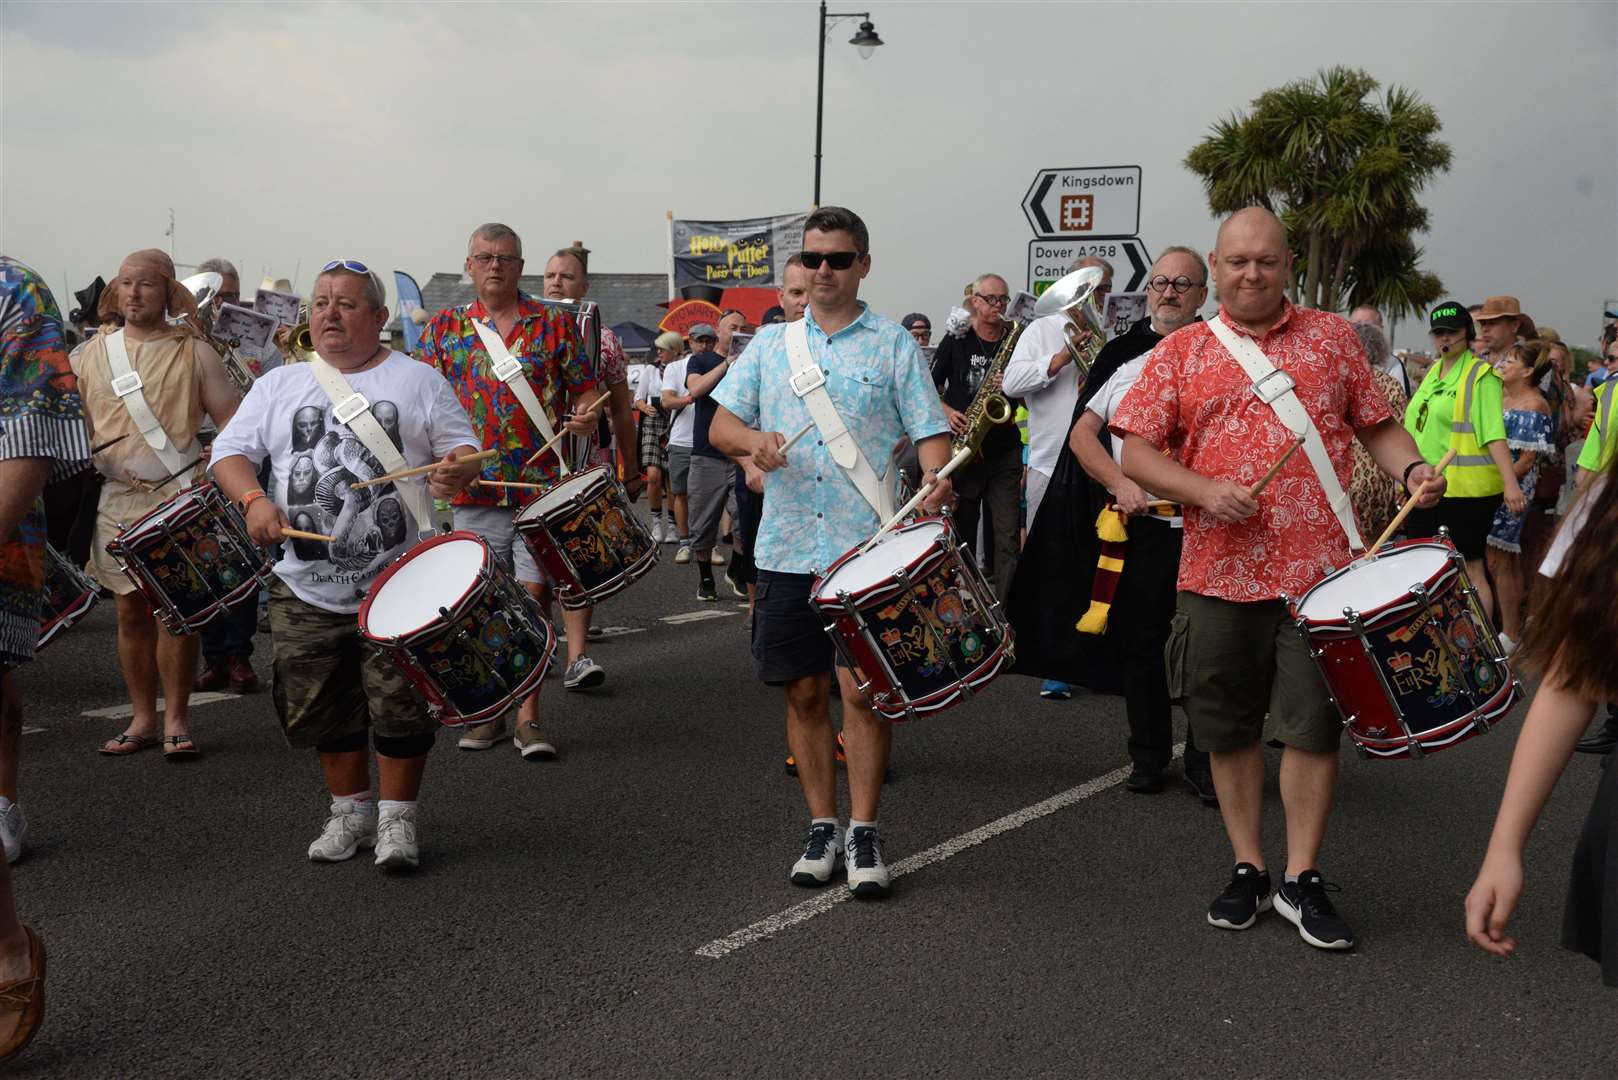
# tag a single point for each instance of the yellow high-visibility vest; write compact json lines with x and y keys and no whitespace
{"x":1473,"y":473}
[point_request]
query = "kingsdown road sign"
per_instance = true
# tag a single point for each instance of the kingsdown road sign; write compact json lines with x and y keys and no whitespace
{"x":1049,"y":260}
{"x":1085,"y":202}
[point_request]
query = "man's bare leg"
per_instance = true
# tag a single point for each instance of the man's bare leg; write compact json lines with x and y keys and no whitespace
{"x":813,"y":745}
{"x":1239,"y":779}
{"x":867,"y":738}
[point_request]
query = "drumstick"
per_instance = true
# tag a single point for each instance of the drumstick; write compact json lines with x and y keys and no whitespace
{"x":558,"y":436}
{"x":507,"y":484}
{"x":1151,"y":504}
{"x":402,"y":474}
{"x":961,"y":458}
{"x":1280,"y":461}
{"x":1410,"y":504}
{"x":788,"y":444}
{"x":94,"y":450}
{"x":299,"y":534}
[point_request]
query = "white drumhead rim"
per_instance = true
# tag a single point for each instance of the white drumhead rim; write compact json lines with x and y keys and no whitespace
{"x":580,"y":487}
{"x":896,"y":551}
{"x":426,"y":579}
{"x":1368,"y":586}
{"x":184,"y":504}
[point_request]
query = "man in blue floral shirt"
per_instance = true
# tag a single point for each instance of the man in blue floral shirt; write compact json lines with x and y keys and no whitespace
{"x":813,"y":513}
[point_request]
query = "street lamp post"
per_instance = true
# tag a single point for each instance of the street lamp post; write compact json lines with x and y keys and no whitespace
{"x":865,"y":40}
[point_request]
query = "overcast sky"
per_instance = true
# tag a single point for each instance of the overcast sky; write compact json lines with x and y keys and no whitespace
{"x":286,"y":135}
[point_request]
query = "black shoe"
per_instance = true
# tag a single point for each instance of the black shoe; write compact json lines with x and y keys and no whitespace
{"x":706,"y":592}
{"x":1307,"y":907}
{"x":1600,"y":741}
{"x":1244,"y":899}
{"x":1202,"y":786}
{"x":1145,"y":781}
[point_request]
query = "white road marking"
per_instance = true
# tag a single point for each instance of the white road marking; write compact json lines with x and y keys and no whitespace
{"x":698,"y":616}
{"x":32,"y":730}
{"x":126,"y":710}
{"x":836,"y":894}
{"x":606,"y":632}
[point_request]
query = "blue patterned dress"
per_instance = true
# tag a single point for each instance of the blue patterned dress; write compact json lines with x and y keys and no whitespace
{"x":1525,"y":430}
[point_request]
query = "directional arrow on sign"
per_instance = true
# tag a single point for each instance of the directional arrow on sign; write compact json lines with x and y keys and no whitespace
{"x":1089,"y":202}
{"x":1048,"y":260}
{"x":1140,"y":263}
{"x":1035,"y":204}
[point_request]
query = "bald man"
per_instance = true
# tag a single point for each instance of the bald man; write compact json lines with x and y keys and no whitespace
{"x":1234,"y":655}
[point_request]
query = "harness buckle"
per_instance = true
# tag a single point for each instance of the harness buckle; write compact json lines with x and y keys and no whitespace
{"x":508,"y":369}
{"x":1267,"y":393}
{"x":808,"y":380}
{"x":124,"y":385}
{"x":350,"y":407}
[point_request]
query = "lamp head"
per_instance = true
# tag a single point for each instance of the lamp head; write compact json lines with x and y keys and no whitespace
{"x":866,"y":40}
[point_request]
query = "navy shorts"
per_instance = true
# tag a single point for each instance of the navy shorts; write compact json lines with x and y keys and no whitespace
{"x":789,"y":640}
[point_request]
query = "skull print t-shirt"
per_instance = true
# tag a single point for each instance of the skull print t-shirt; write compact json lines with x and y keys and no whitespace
{"x":288,"y":418}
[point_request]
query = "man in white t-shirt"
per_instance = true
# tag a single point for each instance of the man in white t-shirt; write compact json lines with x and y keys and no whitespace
{"x":677,"y":401}
{"x":329,"y":687}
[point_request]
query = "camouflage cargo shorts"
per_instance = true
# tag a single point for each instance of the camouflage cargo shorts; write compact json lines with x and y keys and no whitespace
{"x":329,"y":682}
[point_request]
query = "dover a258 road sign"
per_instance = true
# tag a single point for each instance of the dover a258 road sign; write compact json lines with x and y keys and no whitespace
{"x":1085,"y":202}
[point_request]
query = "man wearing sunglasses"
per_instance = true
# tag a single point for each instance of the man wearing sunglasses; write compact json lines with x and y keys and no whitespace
{"x":330,"y":691}
{"x":994,"y":478}
{"x":545,"y":343}
{"x":875,"y":378}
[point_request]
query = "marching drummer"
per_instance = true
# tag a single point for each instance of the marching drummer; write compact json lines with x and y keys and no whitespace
{"x":146,"y":389}
{"x":514,"y":410}
{"x":357,"y":413}
{"x":866,"y":386}
{"x":1199,"y":395}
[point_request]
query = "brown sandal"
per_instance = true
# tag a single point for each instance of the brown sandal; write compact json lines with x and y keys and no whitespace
{"x":180,"y":748}
{"x":22,"y":1003}
{"x":125,"y":744}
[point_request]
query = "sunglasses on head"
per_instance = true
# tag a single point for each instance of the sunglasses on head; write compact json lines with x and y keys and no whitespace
{"x":837,"y":260}
{"x":347,"y":264}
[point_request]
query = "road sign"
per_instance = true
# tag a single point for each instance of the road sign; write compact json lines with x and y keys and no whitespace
{"x":1085,"y":202}
{"x":1049,"y":260}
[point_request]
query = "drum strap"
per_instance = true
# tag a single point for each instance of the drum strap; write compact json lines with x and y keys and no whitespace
{"x":126,"y":383}
{"x":1274,"y":387}
{"x":809,"y":383}
{"x":353,"y":411}
{"x":509,"y":370}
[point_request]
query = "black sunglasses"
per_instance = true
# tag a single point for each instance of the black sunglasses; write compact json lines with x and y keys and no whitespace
{"x":837,"y":260}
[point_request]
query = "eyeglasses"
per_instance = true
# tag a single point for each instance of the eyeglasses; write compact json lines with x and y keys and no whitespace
{"x":484,"y":259}
{"x":837,"y":260}
{"x":1181,"y":284}
{"x":347,"y":264}
{"x":993,"y":299}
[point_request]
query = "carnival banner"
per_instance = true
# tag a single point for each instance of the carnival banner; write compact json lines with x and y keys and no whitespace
{"x":733,"y":254}
{"x":409,"y":300}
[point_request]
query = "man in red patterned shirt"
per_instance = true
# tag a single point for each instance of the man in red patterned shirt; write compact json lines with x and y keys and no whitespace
{"x":545,"y":342}
{"x":1195,"y":431}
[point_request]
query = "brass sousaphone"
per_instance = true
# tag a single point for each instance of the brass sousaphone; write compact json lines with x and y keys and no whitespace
{"x":205,"y":287}
{"x":1074,"y":295}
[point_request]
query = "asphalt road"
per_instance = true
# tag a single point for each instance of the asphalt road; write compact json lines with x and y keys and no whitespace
{"x":554,"y":927}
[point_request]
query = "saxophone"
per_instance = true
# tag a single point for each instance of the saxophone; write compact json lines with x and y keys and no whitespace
{"x":989,"y":406}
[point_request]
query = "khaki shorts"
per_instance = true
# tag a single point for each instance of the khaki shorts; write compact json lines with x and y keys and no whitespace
{"x":1229,"y":664}
{"x":120,"y":506}
{"x":329,"y":682}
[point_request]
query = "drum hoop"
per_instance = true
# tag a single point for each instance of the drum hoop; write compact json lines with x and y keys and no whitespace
{"x":456,"y":609}
{"x":183,"y":515}
{"x":923,"y":562}
{"x":1374,"y":617}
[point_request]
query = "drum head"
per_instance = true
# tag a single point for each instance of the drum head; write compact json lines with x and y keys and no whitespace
{"x":899,"y":549}
{"x":180,"y":508}
{"x":434,"y":576}
{"x":1367,"y":586}
{"x":580,"y":486}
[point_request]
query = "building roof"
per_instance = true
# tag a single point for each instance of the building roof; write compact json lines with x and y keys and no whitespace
{"x":623,"y":297}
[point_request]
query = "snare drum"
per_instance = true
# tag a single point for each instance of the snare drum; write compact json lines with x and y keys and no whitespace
{"x":70,"y":593}
{"x":459,"y":627}
{"x":915,"y":618}
{"x":191,"y":558}
{"x":586,"y":536}
{"x":1408,"y":661}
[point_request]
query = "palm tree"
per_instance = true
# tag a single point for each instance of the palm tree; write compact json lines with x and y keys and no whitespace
{"x":1343,"y":171}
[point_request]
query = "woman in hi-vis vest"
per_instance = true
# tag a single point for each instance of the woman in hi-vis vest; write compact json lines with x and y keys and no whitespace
{"x":1459,"y":406}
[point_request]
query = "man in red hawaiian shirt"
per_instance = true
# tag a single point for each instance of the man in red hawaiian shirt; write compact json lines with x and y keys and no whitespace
{"x":1233,"y":653}
{"x":546,"y":343}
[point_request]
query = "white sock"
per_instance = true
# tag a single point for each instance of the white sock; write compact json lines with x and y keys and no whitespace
{"x":395,"y":807}
{"x":823,"y":821}
{"x":364,"y":801}
{"x":852,"y":824}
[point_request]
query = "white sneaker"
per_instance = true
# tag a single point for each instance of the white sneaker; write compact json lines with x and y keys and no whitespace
{"x":13,"y":830}
{"x":396,"y":839}
{"x":482,"y":736}
{"x":822,"y":855}
{"x":348,"y":829}
{"x":657,"y":529}
{"x":683,"y":556}
{"x":1507,"y":646}
{"x":583,"y":674}
{"x":867,"y":874}
{"x":671,"y":531}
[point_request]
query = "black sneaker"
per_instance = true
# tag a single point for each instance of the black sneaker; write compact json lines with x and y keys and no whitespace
{"x":1244,"y":899}
{"x":1307,"y":907}
{"x":1202,"y":786}
{"x":706,"y":592}
{"x":1144,"y":781}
